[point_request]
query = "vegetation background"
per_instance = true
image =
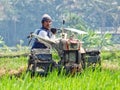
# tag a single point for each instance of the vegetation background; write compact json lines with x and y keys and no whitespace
{"x":20,"y":17}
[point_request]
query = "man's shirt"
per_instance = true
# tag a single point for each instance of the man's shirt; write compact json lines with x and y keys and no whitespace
{"x":43,"y":33}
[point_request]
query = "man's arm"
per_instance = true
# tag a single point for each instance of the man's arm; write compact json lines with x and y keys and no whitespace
{"x":43,"y":34}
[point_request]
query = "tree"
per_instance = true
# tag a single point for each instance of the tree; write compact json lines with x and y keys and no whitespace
{"x":19,"y":17}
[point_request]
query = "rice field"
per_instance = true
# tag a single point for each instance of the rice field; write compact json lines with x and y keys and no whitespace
{"x":106,"y":79}
{"x":88,"y":80}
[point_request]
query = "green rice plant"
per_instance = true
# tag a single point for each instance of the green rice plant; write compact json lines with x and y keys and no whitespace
{"x":106,"y":79}
{"x":55,"y":55}
{"x":110,"y":55}
{"x":97,"y":41}
{"x":13,"y":63}
{"x":88,"y":80}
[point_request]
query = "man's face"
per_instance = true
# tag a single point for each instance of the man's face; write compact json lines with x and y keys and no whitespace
{"x":47,"y":24}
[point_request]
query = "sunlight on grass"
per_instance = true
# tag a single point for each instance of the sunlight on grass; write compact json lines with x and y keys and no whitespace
{"x":106,"y":79}
{"x":88,"y":80}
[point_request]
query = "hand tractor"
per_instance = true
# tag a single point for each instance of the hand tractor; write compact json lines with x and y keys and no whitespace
{"x":73,"y":57}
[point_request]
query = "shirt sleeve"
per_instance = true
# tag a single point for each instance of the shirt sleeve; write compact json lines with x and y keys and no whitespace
{"x":53,"y":36}
{"x":43,"y":34}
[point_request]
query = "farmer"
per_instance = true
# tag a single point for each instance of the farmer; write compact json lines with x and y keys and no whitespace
{"x":45,"y":32}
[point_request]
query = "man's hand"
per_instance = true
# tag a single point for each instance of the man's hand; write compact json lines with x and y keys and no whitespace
{"x":53,"y":30}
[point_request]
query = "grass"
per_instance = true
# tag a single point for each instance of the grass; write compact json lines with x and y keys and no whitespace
{"x":13,"y":63}
{"x":88,"y":80}
{"x":107,"y":79}
{"x":110,"y":55}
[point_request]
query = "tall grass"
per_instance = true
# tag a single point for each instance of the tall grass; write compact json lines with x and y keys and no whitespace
{"x":13,"y":63}
{"x":106,"y":79}
{"x":88,"y":80}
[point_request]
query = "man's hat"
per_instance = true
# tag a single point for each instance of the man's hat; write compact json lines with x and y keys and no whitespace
{"x":46,"y":17}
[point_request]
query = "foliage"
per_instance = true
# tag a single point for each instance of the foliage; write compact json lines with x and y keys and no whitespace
{"x":96,"y":40}
{"x":75,"y":21}
{"x":110,"y":55}
{"x":19,"y":17}
{"x":13,"y":63}
{"x":20,"y":45}
{"x":4,"y":47}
